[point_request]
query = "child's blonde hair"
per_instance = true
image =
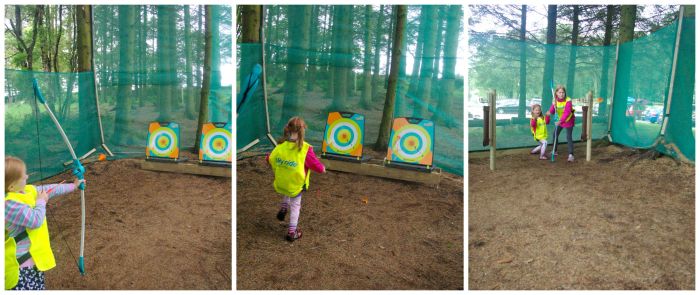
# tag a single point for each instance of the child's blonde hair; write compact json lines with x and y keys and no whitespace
{"x":296,"y":125}
{"x":13,"y":171}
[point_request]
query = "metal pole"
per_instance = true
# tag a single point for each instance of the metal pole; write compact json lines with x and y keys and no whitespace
{"x":492,"y":129}
{"x":94,"y":84}
{"x":612,"y":97}
{"x":673,"y":71}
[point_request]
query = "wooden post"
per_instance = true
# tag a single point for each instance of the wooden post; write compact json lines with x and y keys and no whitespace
{"x":589,"y":122}
{"x":492,"y":128}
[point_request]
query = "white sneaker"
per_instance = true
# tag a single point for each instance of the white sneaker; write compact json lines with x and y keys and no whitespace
{"x":571,"y":158}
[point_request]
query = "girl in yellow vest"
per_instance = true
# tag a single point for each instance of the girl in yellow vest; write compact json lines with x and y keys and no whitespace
{"x":27,"y":244}
{"x":292,"y":161}
{"x":566,"y":119}
{"x":538,"y":126}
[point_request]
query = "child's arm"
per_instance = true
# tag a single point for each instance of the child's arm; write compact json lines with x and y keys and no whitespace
{"x":567,"y":111}
{"x":22,"y":215}
{"x":55,"y":190}
{"x":313,"y":163}
{"x":533,"y":125}
{"x":546,"y":119}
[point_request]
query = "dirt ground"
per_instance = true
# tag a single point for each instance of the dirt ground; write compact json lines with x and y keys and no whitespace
{"x":144,"y":230}
{"x":617,"y":222}
{"x":405,"y":236}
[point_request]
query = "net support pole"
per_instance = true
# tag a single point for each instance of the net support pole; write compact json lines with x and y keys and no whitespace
{"x":94,"y":85}
{"x":612,"y":97}
{"x":673,"y":72}
{"x":589,"y":127}
{"x":492,"y":129}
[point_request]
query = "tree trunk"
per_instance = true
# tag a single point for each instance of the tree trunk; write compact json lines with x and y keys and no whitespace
{"x":624,"y":67}
{"x":426,"y":71}
{"x":299,"y":23}
{"x":331,"y":51}
{"x":571,"y":73}
{"x":446,"y":112}
{"x":219,"y":107}
{"x":127,"y":39}
{"x":342,"y":56}
{"x":377,"y":53}
{"x":602,"y":107}
{"x":86,"y":105}
{"x":388,"y":47}
{"x":415,"y":73}
{"x":388,"y":112}
{"x":206,"y":79}
{"x":367,"y":64}
{"x":314,"y":48}
{"x":163,"y":67}
{"x":523,"y":63}
{"x":440,"y":14}
{"x":549,"y":56}
{"x":189,"y":93}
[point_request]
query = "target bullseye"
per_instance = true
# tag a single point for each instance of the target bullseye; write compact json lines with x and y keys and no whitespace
{"x":344,"y":134}
{"x":411,"y":141}
{"x":163,"y":140}
{"x":215,"y":143}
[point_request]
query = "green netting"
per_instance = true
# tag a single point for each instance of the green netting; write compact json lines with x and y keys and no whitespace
{"x":147,"y":69}
{"x":315,"y":63}
{"x":640,"y":94}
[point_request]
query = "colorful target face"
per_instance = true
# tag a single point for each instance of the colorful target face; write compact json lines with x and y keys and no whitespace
{"x":163,"y":140}
{"x":411,"y":143}
{"x":344,"y":134}
{"x":215,"y":144}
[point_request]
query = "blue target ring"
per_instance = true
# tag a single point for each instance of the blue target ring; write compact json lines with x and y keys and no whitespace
{"x":410,"y":147}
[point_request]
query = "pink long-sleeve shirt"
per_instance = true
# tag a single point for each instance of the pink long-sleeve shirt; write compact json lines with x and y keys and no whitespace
{"x":19,"y":217}
{"x":568,"y":110}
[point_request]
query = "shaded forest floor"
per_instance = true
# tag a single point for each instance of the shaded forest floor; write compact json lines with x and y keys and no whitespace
{"x":144,"y":230}
{"x":617,"y":222}
{"x":360,"y":233}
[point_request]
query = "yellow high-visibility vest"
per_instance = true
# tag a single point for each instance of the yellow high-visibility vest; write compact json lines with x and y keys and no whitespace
{"x":287,"y":162}
{"x":560,"y":109}
{"x":40,"y":247}
{"x":540,"y":131}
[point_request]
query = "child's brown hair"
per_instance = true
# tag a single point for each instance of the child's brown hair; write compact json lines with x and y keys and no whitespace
{"x":557,"y":90}
{"x":13,"y":171}
{"x":537,"y":106}
{"x":296,"y":125}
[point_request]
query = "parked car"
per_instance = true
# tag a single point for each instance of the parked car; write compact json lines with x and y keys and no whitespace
{"x":654,"y":114}
{"x":507,"y":108}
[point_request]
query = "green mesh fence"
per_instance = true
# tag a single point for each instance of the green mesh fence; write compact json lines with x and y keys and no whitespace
{"x":316,"y":63}
{"x":640,"y":88}
{"x":161,"y":80}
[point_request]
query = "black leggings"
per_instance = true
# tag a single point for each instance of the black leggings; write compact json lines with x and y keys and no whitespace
{"x":569,"y":138}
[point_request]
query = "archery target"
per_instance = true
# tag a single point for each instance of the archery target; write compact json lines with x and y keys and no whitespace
{"x":215,"y":144}
{"x":163,"y":140}
{"x":344,"y":134}
{"x":411,"y":143}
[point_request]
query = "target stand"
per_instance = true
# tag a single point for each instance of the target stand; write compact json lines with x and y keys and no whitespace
{"x":215,"y":144}
{"x":163,"y":142}
{"x":411,"y":144}
{"x":344,"y":137}
{"x":163,"y":149}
